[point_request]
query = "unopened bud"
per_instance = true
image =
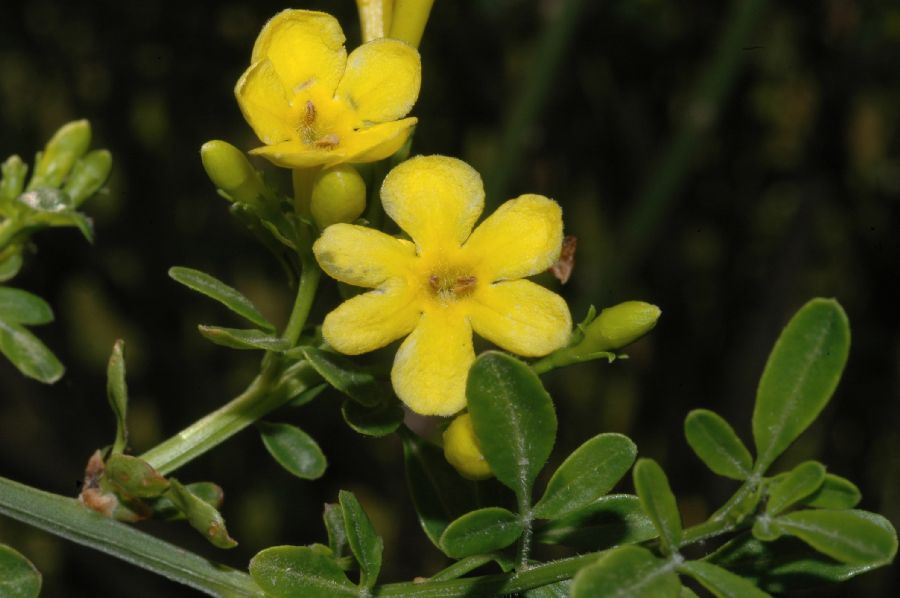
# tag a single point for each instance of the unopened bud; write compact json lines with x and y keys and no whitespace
{"x":88,"y":175}
{"x":13,"y":181}
{"x":618,"y":326}
{"x":338,"y":195}
{"x":230,"y":171}
{"x":66,"y":146}
{"x":462,"y":451}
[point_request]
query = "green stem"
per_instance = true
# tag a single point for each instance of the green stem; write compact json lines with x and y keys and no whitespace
{"x":549,"y":53}
{"x":306,"y":292}
{"x":68,"y":518}
{"x":657,"y":197}
{"x":461,"y":567}
{"x":9,"y":228}
{"x":527,"y":517}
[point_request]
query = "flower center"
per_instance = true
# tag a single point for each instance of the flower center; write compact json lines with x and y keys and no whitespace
{"x":310,"y":134}
{"x":449,"y":286}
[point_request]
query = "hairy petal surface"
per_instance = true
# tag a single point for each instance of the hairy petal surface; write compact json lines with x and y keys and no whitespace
{"x":522,"y":238}
{"x":382,"y":80}
{"x":363,"y":256}
{"x":435,"y":199}
{"x":372,"y":320}
{"x":521,"y":316}
{"x":431,"y":366}
{"x":304,"y":47}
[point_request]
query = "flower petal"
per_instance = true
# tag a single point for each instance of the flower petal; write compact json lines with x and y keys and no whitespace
{"x":521,"y":316}
{"x":378,"y":142}
{"x":304,"y":46}
{"x":432,"y":364}
{"x":382,"y":80}
{"x":371,"y":320}
{"x":261,"y":96}
{"x":295,"y":154}
{"x":522,"y":238}
{"x":362,"y":256}
{"x":435,"y":199}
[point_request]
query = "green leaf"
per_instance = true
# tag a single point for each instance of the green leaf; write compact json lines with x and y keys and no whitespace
{"x":559,"y":589}
{"x":366,"y":544}
{"x":834,"y":493}
{"x":18,"y":577}
{"x":333,"y":516}
{"x":377,"y":421}
{"x":88,"y":175}
{"x":14,"y":171}
{"x":849,"y":536}
{"x":721,"y":582}
{"x":513,"y":418}
{"x":134,"y":476}
{"x":46,"y":199}
{"x":346,"y":376}
{"x":717,"y":445}
{"x":65,"y":219}
{"x":217,"y":290}
{"x":799,"y":378}
{"x":293,"y":449}
{"x":28,"y":354}
{"x":481,"y":531}
{"x":799,"y":483}
{"x":624,"y":572}
{"x":587,"y":474}
{"x":304,"y":396}
{"x":11,"y":263}
{"x":21,"y":307}
{"x":208,"y":492}
{"x":783,"y":565}
{"x":657,"y":499}
{"x":200,"y":514}
{"x":293,"y":571}
{"x":438,"y":493}
{"x":608,"y":521}
{"x":235,"y":338}
{"x":117,"y":394}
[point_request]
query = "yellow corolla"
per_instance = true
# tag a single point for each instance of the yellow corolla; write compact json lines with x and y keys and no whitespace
{"x":313,"y":105}
{"x":447,"y":282}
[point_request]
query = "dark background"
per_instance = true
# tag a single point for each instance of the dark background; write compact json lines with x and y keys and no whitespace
{"x":726,"y":177}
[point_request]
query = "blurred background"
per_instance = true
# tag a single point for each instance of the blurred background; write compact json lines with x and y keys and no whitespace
{"x":726,"y":161}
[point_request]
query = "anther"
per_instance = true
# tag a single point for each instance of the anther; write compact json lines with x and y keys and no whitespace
{"x":329,"y":141}
{"x":310,"y":117}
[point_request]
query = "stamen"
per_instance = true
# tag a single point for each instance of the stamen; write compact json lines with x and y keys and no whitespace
{"x":435,"y":283}
{"x":329,"y":141}
{"x":463,"y":285}
{"x":310,"y":116}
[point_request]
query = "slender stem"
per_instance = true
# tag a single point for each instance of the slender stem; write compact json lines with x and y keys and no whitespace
{"x":68,"y":518}
{"x":461,"y":567}
{"x":527,"y":517}
{"x":306,"y":292}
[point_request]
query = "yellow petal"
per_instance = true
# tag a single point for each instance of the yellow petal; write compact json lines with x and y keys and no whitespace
{"x":435,"y":199}
{"x":362,"y":256}
{"x":522,"y":238}
{"x":378,"y":141}
{"x":304,"y":46}
{"x":263,"y":102}
{"x":381,"y":81}
{"x":371,"y":320}
{"x":520,"y":316}
{"x":294,"y":154}
{"x":431,"y":366}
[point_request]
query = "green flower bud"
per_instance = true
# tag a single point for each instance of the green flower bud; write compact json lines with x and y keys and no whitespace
{"x":88,"y":175}
{"x":618,"y":326}
{"x":66,"y":146}
{"x":462,"y":451}
{"x":13,"y":181}
{"x":338,"y":195}
{"x":230,"y":171}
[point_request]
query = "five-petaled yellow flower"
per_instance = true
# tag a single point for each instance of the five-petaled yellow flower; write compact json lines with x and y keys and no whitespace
{"x":312,"y":105}
{"x":447,"y":282}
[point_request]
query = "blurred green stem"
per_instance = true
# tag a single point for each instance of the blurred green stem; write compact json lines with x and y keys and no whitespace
{"x":260,"y":398}
{"x":658,"y":195}
{"x":9,"y":228}
{"x":549,"y":53}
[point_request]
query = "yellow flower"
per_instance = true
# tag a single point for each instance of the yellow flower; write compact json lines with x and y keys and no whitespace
{"x":447,"y":282}
{"x":312,"y":105}
{"x":462,"y":451}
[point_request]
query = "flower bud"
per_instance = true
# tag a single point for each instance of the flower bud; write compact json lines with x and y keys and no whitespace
{"x":338,"y":195}
{"x":230,"y":171}
{"x":65,"y":147}
{"x":14,"y":172}
{"x":618,"y":326}
{"x":462,"y":451}
{"x":409,"y":20}
{"x":88,"y":175}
